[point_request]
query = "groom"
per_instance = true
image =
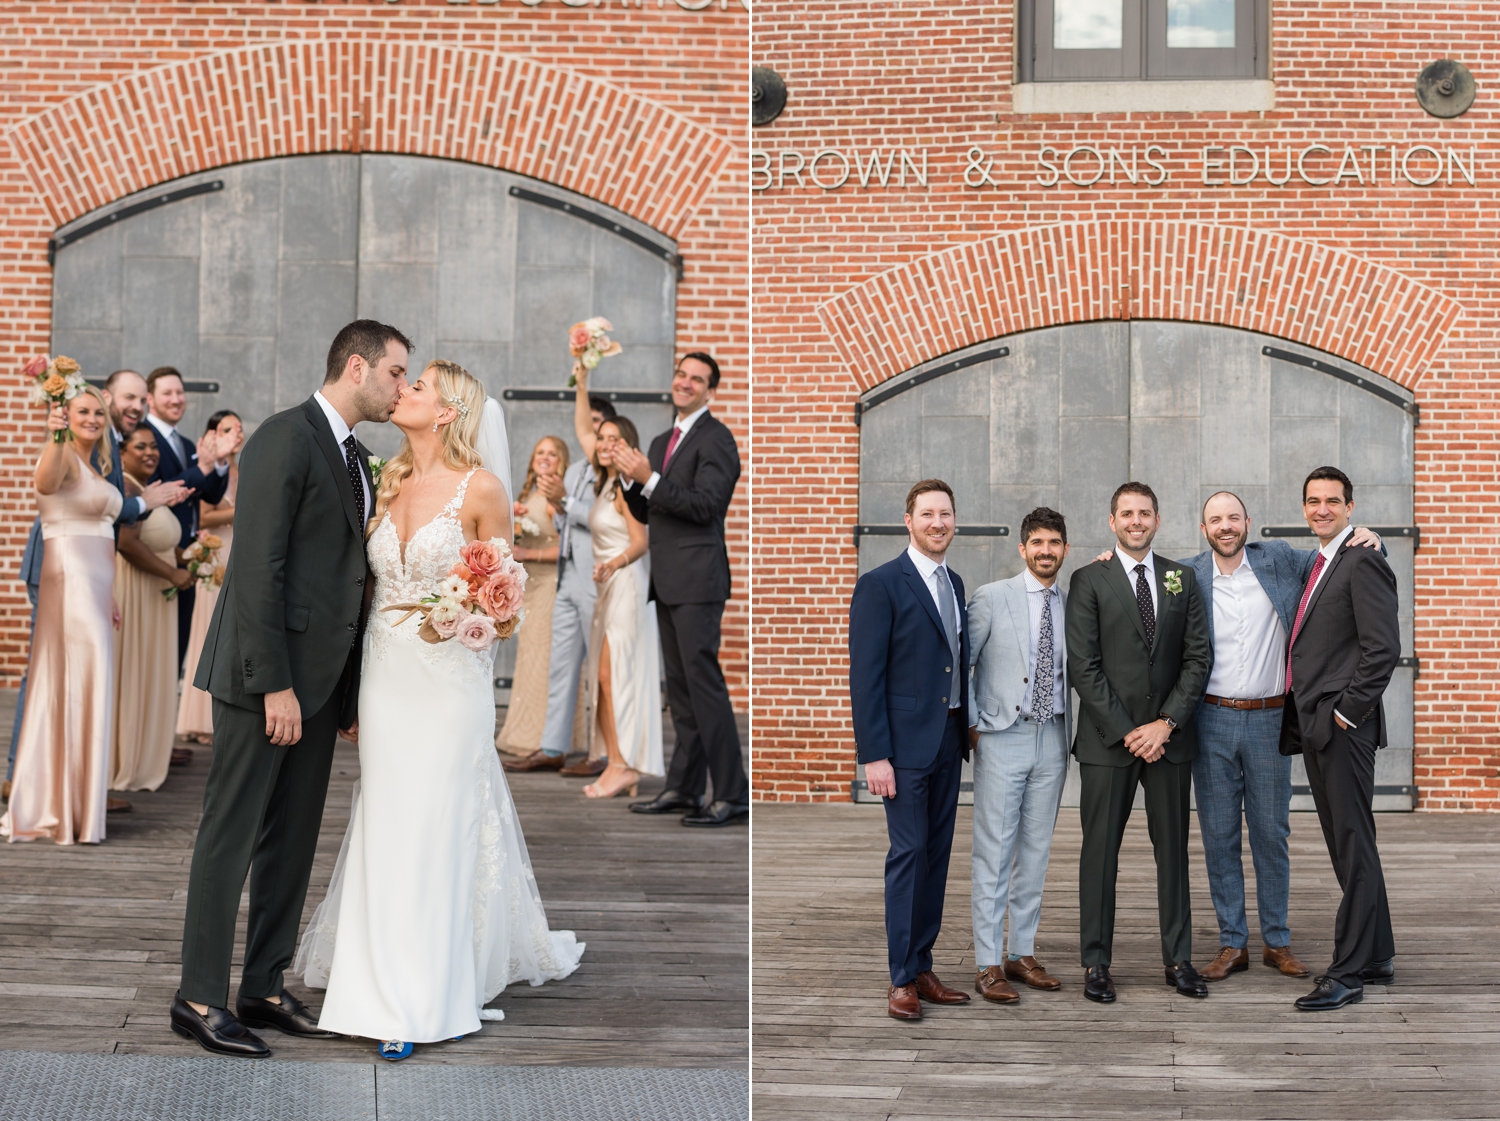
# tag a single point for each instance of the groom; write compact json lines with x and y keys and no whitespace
{"x":282,"y":661}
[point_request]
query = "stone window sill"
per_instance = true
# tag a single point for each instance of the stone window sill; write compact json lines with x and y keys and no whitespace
{"x":1216,"y":96}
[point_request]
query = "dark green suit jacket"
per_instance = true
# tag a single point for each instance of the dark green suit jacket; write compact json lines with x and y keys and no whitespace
{"x":291,"y":611}
{"x":1122,"y":682}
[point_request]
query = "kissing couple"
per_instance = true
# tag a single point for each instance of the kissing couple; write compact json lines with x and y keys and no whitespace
{"x":433,"y":909}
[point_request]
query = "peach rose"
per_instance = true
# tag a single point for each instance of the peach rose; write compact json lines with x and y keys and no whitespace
{"x":65,"y":366}
{"x":483,"y":558}
{"x":578,"y":338}
{"x":212,"y":541}
{"x":55,"y":385}
{"x":502,"y":595}
{"x":477,"y":632}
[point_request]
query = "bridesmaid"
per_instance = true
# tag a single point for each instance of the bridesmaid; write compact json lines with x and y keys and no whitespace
{"x":145,"y":645}
{"x":62,"y":759}
{"x":526,"y":715}
{"x":195,"y":716}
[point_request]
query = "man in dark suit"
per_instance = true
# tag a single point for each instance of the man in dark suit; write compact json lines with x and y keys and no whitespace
{"x":1346,"y":641}
{"x":1138,"y":657}
{"x":909,"y":690}
{"x":180,"y":461}
{"x":282,"y":660}
{"x":682,"y":492}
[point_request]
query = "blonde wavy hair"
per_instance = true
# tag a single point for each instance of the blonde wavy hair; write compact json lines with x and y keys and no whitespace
{"x":463,"y":391}
{"x":563,"y":460}
{"x":104,"y":447}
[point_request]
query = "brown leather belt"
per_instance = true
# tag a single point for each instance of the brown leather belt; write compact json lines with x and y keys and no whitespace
{"x":1225,"y":702}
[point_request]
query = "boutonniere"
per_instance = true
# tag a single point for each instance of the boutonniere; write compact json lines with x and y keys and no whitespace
{"x":377,"y":465}
{"x":1173,"y":581}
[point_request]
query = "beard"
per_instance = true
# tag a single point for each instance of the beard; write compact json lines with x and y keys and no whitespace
{"x":372,"y":406}
{"x":1218,"y":547}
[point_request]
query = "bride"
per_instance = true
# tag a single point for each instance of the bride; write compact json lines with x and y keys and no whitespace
{"x":433,"y":909}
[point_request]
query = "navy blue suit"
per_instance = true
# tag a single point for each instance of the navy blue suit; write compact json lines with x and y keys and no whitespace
{"x":902,"y":676}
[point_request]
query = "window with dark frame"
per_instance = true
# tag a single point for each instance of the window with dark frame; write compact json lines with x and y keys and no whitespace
{"x":1135,"y":40}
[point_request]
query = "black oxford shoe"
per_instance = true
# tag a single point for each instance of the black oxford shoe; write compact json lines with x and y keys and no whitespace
{"x":290,"y":1016}
{"x":1330,"y":994}
{"x":717,"y":813}
{"x":1187,"y":980}
{"x":217,"y":1031}
{"x":1098,"y":985}
{"x":668,"y":802}
{"x":1379,"y":972}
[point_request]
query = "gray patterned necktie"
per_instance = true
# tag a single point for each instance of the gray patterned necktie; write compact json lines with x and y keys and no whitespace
{"x":945,"y":609}
{"x":1043,"y":683}
{"x":1143,"y":601}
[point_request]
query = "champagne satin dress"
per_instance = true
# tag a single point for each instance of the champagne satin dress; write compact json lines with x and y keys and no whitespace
{"x":62,"y":757}
{"x":195,"y":711}
{"x":526,"y":715}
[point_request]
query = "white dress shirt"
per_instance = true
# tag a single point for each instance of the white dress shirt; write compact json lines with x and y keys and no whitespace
{"x":1149,"y":560}
{"x":1328,"y":552}
{"x":1249,"y":640}
{"x":342,"y":432}
{"x":682,"y":426}
{"x":939,"y":583}
{"x":1036,"y":593}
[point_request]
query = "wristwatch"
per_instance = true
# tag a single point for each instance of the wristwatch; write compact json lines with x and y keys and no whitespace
{"x":1172,"y":724}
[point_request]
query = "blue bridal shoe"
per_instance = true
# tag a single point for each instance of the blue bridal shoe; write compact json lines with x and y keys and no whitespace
{"x":394,"y":1050}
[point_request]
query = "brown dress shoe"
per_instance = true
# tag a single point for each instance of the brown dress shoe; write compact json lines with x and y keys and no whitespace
{"x":933,"y":991}
{"x":1030,"y":971}
{"x":1228,"y":960}
{"x":1282,"y":958}
{"x":903,"y":1004}
{"x":116,"y":806}
{"x":585,"y":769}
{"x":536,"y":761}
{"x":991,"y":984}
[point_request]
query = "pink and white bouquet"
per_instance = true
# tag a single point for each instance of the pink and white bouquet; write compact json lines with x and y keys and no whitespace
{"x":58,"y":381}
{"x":478,"y":602}
{"x":201,"y":558}
{"x":589,"y":342}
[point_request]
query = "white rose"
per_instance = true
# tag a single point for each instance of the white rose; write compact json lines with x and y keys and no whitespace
{"x":590,"y":359}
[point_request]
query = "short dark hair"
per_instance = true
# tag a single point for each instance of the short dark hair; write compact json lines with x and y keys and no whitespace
{"x":1203,"y":513}
{"x":1043,"y":517}
{"x":109,"y":382}
{"x":927,"y":486}
{"x":707,"y":360}
{"x":1329,"y":473}
{"x":364,"y":337}
{"x":602,"y":405}
{"x":1133,"y":488}
{"x":157,"y":374}
{"x":218,"y":418}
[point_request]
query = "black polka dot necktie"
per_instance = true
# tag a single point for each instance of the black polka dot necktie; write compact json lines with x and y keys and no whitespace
{"x":356,"y":478}
{"x":1143,"y":601}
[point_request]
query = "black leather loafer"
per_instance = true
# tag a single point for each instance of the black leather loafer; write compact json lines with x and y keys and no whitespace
{"x":290,"y":1016}
{"x":1098,"y":985}
{"x":1187,"y":980}
{"x":1330,"y":994}
{"x":717,"y":813}
{"x":1379,"y":973}
{"x":668,"y":802}
{"x":218,"y":1031}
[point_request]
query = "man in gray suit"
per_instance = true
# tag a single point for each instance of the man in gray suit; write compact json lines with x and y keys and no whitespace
{"x":1022,"y":728}
{"x":572,"y":611}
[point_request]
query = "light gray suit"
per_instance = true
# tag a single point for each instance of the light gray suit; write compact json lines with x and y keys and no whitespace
{"x":1019,"y":768}
{"x":573,"y":611}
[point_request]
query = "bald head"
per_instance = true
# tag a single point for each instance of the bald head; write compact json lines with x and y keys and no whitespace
{"x":1226,"y":525}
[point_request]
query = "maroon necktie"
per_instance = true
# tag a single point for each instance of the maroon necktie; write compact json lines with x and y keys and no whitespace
{"x":671,"y":446}
{"x":1312,"y":582}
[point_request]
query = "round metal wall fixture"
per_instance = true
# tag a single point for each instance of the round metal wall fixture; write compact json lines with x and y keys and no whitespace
{"x":1445,"y":88}
{"x":767,"y":95}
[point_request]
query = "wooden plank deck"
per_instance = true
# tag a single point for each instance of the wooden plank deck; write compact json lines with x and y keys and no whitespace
{"x":90,"y":935}
{"x":824,"y":1047}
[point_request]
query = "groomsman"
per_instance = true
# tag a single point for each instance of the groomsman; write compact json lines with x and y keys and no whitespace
{"x":1138,"y":657}
{"x":908,"y":650}
{"x":1254,"y":589}
{"x":1022,"y":722}
{"x":1346,"y":641}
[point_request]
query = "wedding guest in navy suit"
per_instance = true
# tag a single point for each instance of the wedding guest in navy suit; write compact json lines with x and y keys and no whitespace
{"x":182,"y":460}
{"x":908,"y":649}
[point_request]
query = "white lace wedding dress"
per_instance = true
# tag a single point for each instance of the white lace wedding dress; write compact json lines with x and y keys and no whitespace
{"x":433,"y":908}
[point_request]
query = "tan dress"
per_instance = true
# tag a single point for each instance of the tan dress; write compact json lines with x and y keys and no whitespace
{"x":527,"y":714}
{"x":146,"y":661}
{"x":195,"y":709}
{"x":62,"y":756}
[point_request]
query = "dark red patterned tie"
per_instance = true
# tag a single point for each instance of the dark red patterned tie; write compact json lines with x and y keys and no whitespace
{"x":1312,"y":582}
{"x":671,"y":446}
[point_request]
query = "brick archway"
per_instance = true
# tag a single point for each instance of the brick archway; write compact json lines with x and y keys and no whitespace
{"x":413,"y":98}
{"x":1046,"y":276}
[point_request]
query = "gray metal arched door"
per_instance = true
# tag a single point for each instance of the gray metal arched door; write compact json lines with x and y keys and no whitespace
{"x":1060,"y":417}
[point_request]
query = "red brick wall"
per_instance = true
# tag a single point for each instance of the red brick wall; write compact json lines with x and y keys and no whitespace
{"x":639,"y":106}
{"x":854,"y":285}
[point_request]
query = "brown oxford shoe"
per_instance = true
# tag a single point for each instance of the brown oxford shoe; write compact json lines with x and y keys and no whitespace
{"x":991,"y":984}
{"x":1282,"y":958}
{"x":536,"y":761}
{"x":933,"y":991}
{"x":1030,"y":972}
{"x":585,"y":768}
{"x":903,"y":1004}
{"x":1228,"y":960}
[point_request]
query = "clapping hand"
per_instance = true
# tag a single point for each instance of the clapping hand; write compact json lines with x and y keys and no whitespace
{"x":209,"y":451}
{"x":164,"y":493}
{"x":551,"y":487}
{"x":631,"y":463}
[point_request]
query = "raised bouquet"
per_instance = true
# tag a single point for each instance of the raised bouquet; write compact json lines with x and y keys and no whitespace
{"x":201,"y":558}
{"x":58,"y":381}
{"x":589,"y":342}
{"x":478,"y":602}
